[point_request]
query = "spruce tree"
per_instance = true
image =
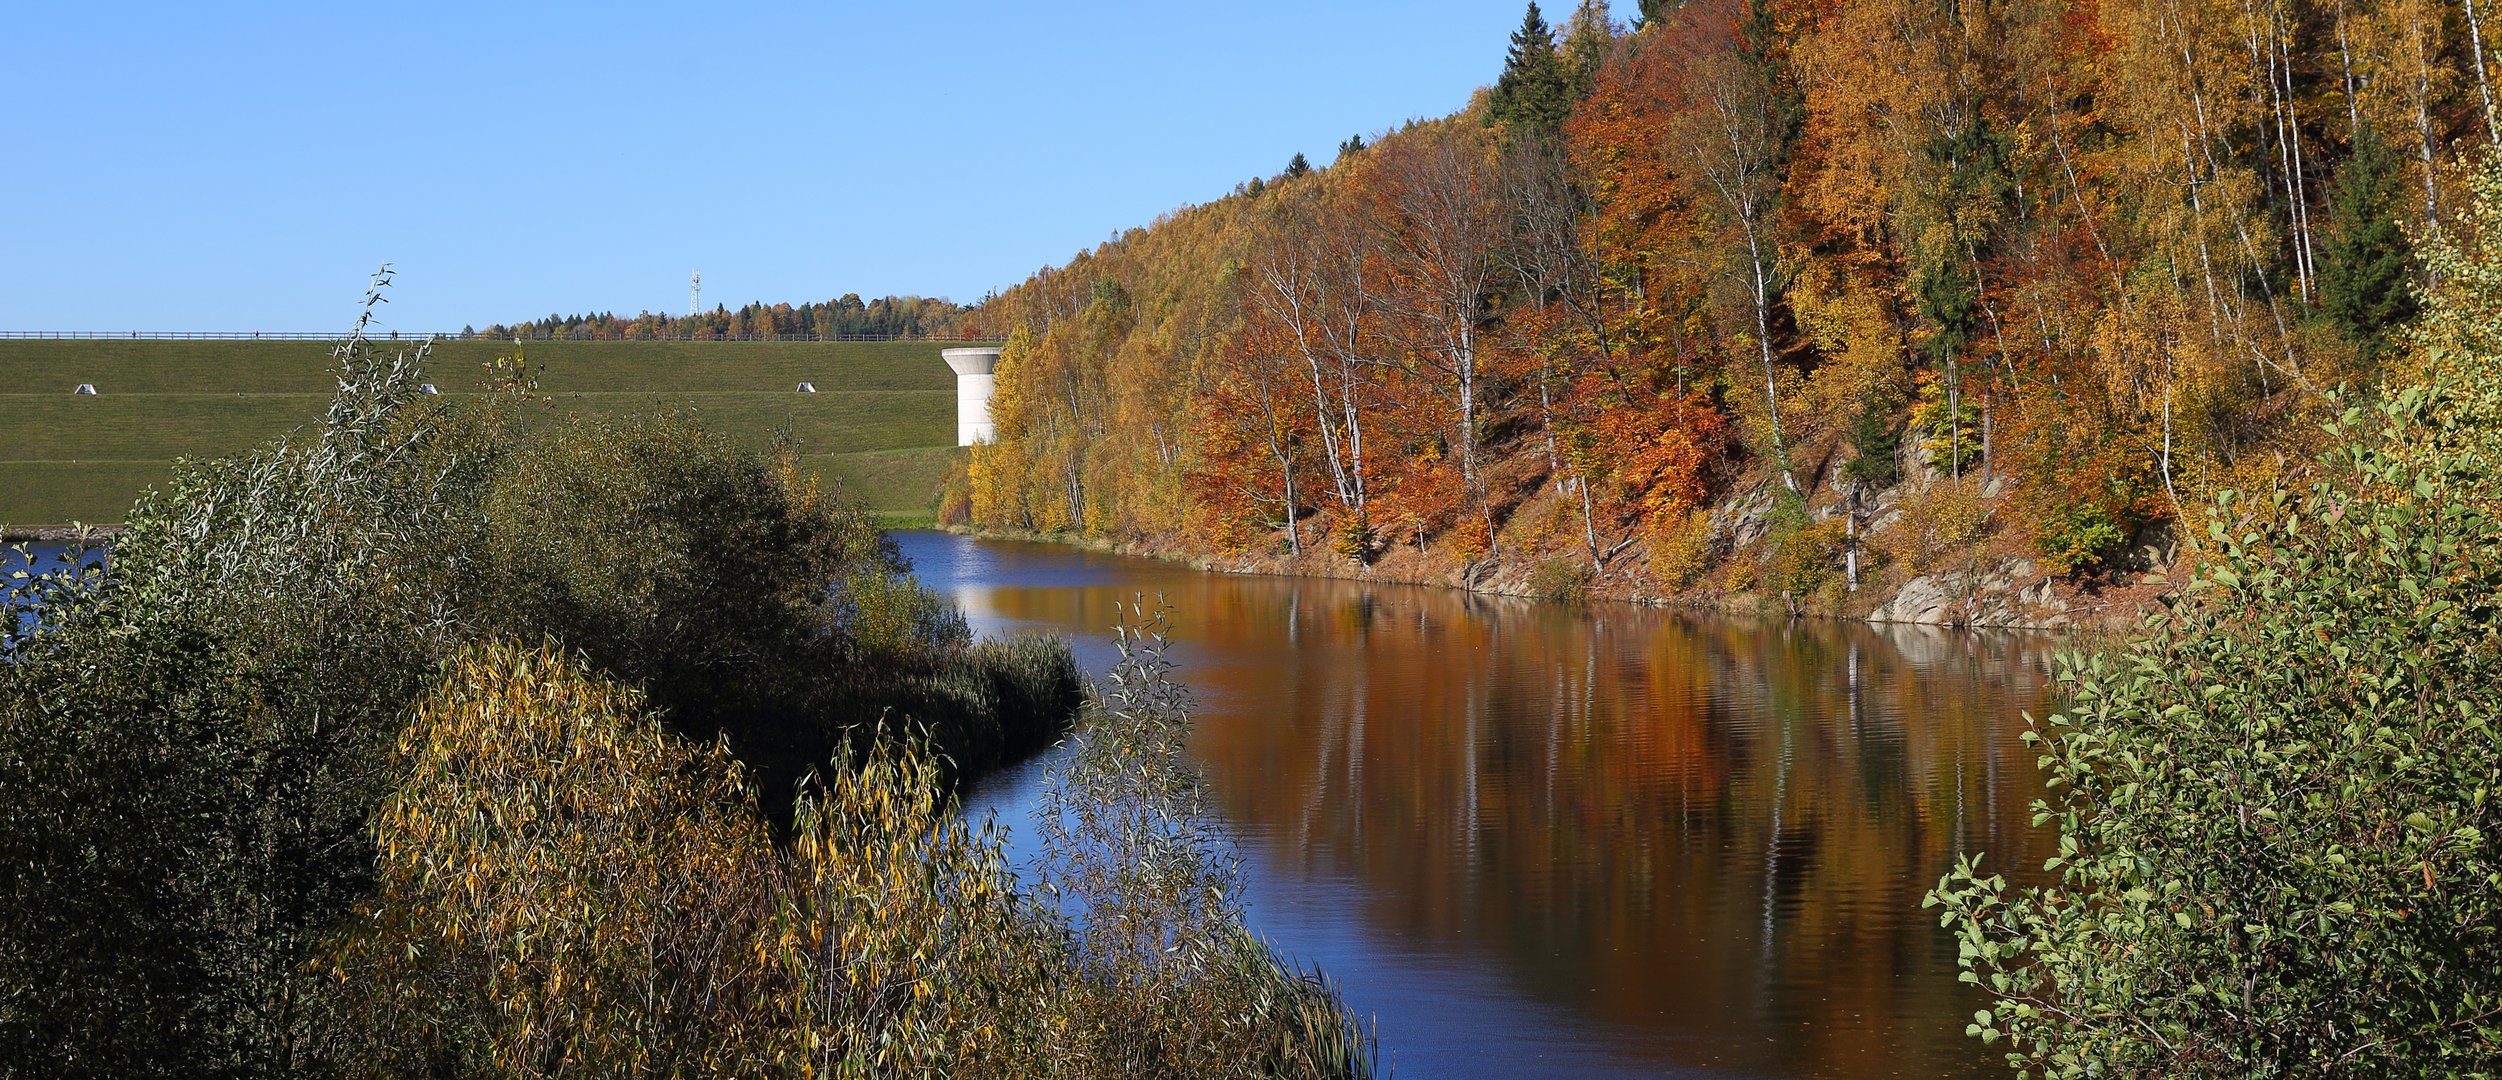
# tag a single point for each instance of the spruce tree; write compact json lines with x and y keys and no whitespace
{"x":1299,"y":167}
{"x":1535,"y":92}
{"x":1876,"y":440}
{"x":1353,"y":146}
{"x":2367,"y":268}
{"x":1763,"y":46}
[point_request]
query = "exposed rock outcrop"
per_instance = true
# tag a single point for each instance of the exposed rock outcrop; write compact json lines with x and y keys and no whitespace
{"x":2008,"y":592}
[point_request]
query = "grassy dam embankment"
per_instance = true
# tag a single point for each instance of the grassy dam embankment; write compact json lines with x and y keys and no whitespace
{"x":882,"y":424}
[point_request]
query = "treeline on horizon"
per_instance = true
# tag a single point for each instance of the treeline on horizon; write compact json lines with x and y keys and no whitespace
{"x":846,"y":316}
{"x":2119,"y":253}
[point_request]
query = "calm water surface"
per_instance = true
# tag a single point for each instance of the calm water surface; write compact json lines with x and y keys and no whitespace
{"x":1540,"y":841}
{"x":1536,"y":841}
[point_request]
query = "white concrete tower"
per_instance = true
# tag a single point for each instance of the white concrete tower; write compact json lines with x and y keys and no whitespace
{"x":975,"y":382}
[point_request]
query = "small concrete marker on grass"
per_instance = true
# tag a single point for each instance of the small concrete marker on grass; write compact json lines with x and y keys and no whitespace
{"x":807,"y":388}
{"x":428,"y":389}
{"x":85,"y":389}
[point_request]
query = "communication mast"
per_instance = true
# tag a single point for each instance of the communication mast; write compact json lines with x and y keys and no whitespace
{"x":695,"y":294}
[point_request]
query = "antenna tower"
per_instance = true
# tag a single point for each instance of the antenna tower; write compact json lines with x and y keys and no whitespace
{"x":695,"y":294}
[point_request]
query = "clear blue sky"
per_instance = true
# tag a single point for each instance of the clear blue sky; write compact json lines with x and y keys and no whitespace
{"x":174,"y":166}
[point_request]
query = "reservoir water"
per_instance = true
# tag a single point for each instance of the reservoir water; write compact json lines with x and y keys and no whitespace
{"x":36,"y":558}
{"x":1538,"y":840}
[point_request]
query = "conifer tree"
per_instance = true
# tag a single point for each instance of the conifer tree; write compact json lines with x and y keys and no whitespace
{"x":1586,"y":39}
{"x":1299,"y":167}
{"x":1353,"y":146}
{"x":2367,"y":266}
{"x":1534,"y":93}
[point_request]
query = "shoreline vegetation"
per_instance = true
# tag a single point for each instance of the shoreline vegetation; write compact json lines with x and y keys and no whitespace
{"x":1993,"y":590}
{"x":1938,"y":314}
{"x":2279,"y":836}
{"x":479,"y":738}
{"x":2178,"y":319}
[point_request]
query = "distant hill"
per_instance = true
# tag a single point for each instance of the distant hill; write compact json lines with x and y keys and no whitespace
{"x":882,"y":425}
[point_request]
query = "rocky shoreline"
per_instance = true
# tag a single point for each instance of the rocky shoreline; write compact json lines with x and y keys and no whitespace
{"x":59,"y":534}
{"x":1986,"y":590}
{"x":1987,"y":578}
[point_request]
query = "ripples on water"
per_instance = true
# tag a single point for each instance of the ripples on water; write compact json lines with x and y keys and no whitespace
{"x":1540,"y":840}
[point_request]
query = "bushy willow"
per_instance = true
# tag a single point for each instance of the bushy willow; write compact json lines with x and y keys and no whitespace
{"x":281,"y":795}
{"x":191,"y":742}
{"x":195,"y":737}
{"x":908,"y":947}
{"x":583,"y":888}
{"x":1161,"y":976}
{"x":568,"y":889}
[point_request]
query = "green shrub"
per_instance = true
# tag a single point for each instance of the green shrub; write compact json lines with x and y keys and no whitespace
{"x":2280,"y":848}
{"x":1354,"y":539}
{"x":1787,"y":515}
{"x":192,"y":743}
{"x":2077,"y":537}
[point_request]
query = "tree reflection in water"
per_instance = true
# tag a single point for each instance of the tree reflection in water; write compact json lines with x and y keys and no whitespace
{"x":1613,"y":839}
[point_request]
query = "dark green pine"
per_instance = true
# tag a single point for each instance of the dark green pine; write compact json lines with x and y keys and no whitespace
{"x":1535,"y":91}
{"x":2367,"y":267}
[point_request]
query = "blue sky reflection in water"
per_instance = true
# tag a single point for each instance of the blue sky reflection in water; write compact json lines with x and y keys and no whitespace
{"x":1536,"y":840}
{"x":35,"y":559}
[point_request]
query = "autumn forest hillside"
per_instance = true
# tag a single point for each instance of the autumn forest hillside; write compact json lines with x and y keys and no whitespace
{"x":1756,"y":296}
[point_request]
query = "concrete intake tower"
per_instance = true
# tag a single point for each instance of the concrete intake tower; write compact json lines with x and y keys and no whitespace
{"x":975,"y":382}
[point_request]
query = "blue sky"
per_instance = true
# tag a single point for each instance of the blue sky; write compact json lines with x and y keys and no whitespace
{"x":175,"y":167}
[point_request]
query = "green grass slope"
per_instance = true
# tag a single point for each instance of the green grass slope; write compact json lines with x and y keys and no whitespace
{"x":882,"y":424}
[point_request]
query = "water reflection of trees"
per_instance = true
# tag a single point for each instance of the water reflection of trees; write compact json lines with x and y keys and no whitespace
{"x":1715,"y":829}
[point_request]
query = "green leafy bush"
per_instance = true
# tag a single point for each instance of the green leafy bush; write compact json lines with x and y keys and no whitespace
{"x":1354,"y":539}
{"x":193,"y":741}
{"x":2077,"y":537}
{"x":2280,"y":848}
